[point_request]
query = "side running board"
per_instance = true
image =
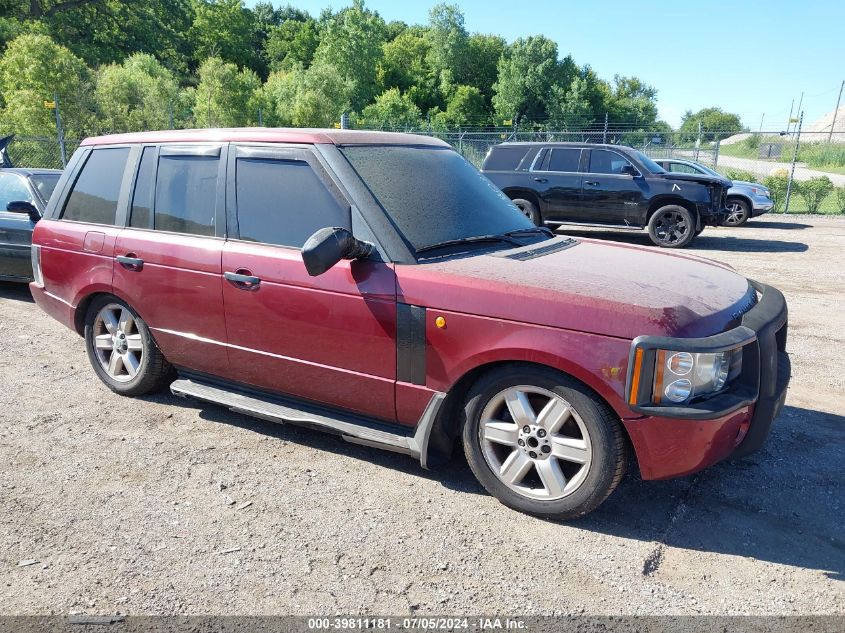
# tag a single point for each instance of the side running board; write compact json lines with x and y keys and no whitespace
{"x":415,"y":445}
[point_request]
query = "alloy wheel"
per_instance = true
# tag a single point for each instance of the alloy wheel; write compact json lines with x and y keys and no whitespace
{"x":118,"y":344}
{"x":671,"y":227}
{"x":735,"y":213}
{"x":535,"y":442}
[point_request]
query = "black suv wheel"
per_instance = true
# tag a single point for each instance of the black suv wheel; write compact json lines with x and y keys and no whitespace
{"x":530,"y":210}
{"x":672,"y":226}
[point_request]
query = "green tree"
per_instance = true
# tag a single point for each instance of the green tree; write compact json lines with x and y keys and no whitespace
{"x":315,"y":97}
{"x":715,"y":124}
{"x":814,"y":191}
{"x":571,"y":109}
{"x":351,"y":41}
{"x":224,"y":29}
{"x":449,"y":46}
{"x":528,"y":71}
{"x":139,"y":94}
{"x":404,"y":66}
{"x":226,"y":96}
{"x":292,"y":43}
{"x":392,"y":109}
{"x":632,"y":102}
{"x":32,"y":70}
{"x":466,"y":106}
{"x":482,"y":68}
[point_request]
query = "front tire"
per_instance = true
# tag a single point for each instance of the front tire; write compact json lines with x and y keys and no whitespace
{"x":122,"y":350}
{"x":738,"y":213}
{"x":672,"y":226}
{"x":530,"y":210}
{"x":542,"y":443}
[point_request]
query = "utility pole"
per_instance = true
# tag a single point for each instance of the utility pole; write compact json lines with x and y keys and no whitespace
{"x":800,"y":101}
{"x":59,"y":131}
{"x":836,"y":111}
{"x":794,"y":159}
{"x":789,"y":120}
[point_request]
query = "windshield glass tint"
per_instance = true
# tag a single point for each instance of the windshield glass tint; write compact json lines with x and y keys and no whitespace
{"x":434,"y":195}
{"x":649,"y":164}
{"x":44,"y":183}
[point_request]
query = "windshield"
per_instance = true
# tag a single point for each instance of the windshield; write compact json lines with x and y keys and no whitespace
{"x":433,"y":195}
{"x":44,"y":183}
{"x":649,"y":164}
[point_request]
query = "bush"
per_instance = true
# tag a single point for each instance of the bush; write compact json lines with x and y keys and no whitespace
{"x":777,"y":183}
{"x":740,"y":174}
{"x":752,"y":142}
{"x":840,"y":200}
{"x":814,"y":191}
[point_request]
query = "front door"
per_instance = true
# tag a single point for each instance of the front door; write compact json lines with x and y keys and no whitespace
{"x":611,"y":196}
{"x":327,"y":339}
{"x":15,"y":228}
{"x":167,"y":259}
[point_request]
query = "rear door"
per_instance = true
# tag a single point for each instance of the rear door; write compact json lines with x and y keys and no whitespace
{"x":15,"y":228}
{"x":557,"y":180}
{"x":611,"y":196}
{"x":167,"y":259}
{"x":327,"y":339}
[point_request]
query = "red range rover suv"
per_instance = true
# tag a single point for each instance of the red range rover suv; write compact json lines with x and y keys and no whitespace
{"x":379,"y":287}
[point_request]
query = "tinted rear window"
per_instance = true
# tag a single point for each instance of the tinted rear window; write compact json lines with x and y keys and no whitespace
{"x":505,"y":158}
{"x":284,"y":202}
{"x":94,"y":195}
{"x":564,"y":159}
{"x":186,"y":191}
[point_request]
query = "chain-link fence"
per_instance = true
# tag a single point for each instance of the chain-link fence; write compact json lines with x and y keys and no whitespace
{"x":804,"y":167}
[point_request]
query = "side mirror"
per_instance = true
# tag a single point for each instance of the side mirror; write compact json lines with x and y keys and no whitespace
{"x":328,"y":246}
{"x":630,"y":170}
{"x":21,"y":206}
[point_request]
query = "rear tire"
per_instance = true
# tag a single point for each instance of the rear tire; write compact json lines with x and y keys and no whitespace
{"x":672,"y":226}
{"x":530,"y":210}
{"x":738,"y":213}
{"x":542,"y":443}
{"x":122,"y":350}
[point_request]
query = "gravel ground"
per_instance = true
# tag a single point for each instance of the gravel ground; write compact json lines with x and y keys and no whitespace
{"x":155,"y":506}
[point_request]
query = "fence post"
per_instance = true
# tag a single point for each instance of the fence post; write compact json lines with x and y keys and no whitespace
{"x":604,"y":135}
{"x":698,"y":142}
{"x":835,"y":111}
{"x":716,"y":153}
{"x":794,"y":160}
{"x":59,"y":131}
{"x":260,"y":118}
{"x":170,"y":112}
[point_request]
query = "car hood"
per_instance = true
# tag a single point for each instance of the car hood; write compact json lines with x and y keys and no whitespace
{"x":586,"y":285}
{"x":700,"y":178}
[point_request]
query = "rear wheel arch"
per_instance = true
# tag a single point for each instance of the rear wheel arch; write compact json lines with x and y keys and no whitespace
{"x":667,"y":200}
{"x":526,"y":194}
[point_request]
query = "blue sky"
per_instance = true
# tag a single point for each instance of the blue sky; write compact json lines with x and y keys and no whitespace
{"x":751,"y":58}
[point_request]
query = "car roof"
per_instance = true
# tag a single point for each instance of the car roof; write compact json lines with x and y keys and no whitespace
{"x":562,"y":144}
{"x":28,"y":171}
{"x":269,"y":135}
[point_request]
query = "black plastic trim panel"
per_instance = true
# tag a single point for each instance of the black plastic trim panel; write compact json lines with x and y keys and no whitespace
{"x":410,"y":344}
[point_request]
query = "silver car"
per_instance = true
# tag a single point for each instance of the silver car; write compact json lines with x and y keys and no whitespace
{"x":745,"y":199}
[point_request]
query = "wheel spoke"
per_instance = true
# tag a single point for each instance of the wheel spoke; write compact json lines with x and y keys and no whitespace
{"x":501,"y":432}
{"x":553,"y":415}
{"x":115,"y":364}
{"x":134,"y":343}
{"x":570,"y":449}
{"x":126,"y":321}
{"x":110,"y":321}
{"x":103,"y":341}
{"x":519,"y":407}
{"x":130,"y":363}
{"x":515,"y":467}
{"x":552,"y":476}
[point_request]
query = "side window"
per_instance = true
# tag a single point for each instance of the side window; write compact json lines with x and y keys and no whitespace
{"x":603,"y":161}
{"x":142,"y":198}
{"x":283,"y":202}
{"x":94,"y":194}
{"x":564,"y":159}
{"x":12,"y":189}
{"x":185,"y":195}
{"x":680,"y":168}
{"x":505,"y":158}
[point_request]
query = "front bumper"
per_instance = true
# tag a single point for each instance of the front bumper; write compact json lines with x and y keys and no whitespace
{"x":761,"y":206}
{"x":674,"y":441}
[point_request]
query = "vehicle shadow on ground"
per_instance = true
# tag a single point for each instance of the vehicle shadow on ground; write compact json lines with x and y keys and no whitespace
{"x":782,"y":505}
{"x":703,"y":242}
{"x":15,"y":291}
{"x":774,"y":224}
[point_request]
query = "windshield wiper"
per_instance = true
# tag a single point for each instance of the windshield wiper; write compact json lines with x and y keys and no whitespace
{"x":470,"y":240}
{"x":531,"y":229}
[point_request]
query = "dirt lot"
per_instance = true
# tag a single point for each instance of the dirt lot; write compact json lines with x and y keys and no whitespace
{"x":140,"y":506}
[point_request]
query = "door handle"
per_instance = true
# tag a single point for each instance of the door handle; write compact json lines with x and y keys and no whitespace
{"x":130,"y":262}
{"x":592,"y":183}
{"x":541,"y":180}
{"x":242,"y":279}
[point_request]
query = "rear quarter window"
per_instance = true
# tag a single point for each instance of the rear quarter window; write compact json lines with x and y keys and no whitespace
{"x":95,"y":192}
{"x":505,"y":158}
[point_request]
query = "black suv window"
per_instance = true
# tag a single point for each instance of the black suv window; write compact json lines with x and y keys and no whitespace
{"x":603,"y":161}
{"x":284,"y":202}
{"x":564,"y":159}
{"x":12,"y":189}
{"x":95,"y":192}
{"x":186,"y":192}
{"x":505,"y":158}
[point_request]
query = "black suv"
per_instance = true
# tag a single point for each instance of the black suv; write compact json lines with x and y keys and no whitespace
{"x":606,"y":185}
